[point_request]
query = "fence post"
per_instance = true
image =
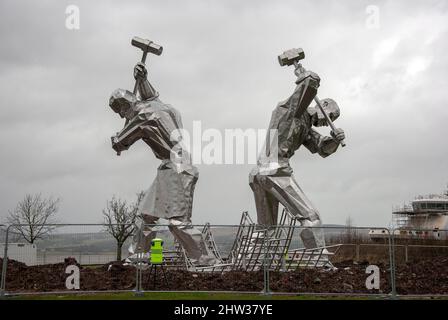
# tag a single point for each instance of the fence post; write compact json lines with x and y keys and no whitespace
{"x":283,"y":268}
{"x":5,"y":265}
{"x":266,"y":290}
{"x":392,"y":263}
{"x":138,"y":275}
{"x":357,"y":252}
{"x":136,"y":278}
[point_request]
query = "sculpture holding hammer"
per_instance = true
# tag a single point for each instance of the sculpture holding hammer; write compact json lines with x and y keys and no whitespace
{"x":171,"y":194}
{"x":272,"y":181}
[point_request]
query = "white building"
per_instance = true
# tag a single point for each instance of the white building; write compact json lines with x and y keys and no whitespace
{"x":425,"y":218}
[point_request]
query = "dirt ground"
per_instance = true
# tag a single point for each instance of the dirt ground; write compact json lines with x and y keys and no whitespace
{"x":423,"y":277}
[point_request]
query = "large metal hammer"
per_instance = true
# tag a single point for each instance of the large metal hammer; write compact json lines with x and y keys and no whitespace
{"x":292,"y":57}
{"x":146,"y":46}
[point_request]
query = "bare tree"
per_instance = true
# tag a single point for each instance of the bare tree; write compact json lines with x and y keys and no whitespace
{"x":351,"y":233}
{"x":119,"y":218}
{"x":32,"y":215}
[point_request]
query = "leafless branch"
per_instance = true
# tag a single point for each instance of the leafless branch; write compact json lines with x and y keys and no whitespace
{"x":32,"y":216}
{"x":119,"y":218}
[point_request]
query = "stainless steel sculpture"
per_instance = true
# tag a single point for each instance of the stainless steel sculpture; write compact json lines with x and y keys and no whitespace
{"x":268,"y":243}
{"x":272,"y":181}
{"x":254,"y":249}
{"x":171,"y":194}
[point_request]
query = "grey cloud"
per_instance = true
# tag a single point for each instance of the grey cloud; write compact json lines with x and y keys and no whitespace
{"x":219,"y":66}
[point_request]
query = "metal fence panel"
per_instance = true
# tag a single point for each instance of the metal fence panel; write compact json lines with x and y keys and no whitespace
{"x":181,"y":272}
{"x":250,"y":258}
{"x":78,"y":257}
{"x":2,"y":250}
{"x":349,"y":264}
{"x":421,"y":261}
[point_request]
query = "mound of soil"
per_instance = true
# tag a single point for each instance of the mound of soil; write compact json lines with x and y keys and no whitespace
{"x":51,"y":277}
{"x":424,"y":277}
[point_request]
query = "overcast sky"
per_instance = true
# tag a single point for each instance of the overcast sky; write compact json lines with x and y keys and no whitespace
{"x":219,"y":66}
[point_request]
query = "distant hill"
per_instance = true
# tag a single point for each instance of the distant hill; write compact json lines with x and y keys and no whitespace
{"x":13,"y":236}
{"x":103,"y":242}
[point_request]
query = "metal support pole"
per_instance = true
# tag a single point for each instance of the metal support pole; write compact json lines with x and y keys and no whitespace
{"x":392,"y":263}
{"x":5,"y":265}
{"x":266,"y":290}
{"x":406,"y":257}
{"x":138,"y":277}
{"x":283,"y":267}
{"x":357,"y":252}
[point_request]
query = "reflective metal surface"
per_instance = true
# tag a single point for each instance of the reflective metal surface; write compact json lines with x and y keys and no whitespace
{"x":272,"y":181}
{"x":171,"y":194}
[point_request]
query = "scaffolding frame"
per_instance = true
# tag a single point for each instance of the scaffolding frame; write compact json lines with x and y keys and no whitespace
{"x":264,"y":247}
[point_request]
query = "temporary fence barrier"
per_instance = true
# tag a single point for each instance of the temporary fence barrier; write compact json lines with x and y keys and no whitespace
{"x":248,"y":258}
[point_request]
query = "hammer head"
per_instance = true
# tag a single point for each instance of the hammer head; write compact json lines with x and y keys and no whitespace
{"x":147,"y":45}
{"x":288,"y":58}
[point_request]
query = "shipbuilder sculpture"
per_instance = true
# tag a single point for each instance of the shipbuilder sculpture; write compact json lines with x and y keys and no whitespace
{"x":272,"y":181}
{"x":171,"y":194}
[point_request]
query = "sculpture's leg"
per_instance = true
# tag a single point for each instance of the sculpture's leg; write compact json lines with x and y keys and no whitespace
{"x":265,"y":203}
{"x":141,"y":242}
{"x":191,"y":240}
{"x":291,"y":196}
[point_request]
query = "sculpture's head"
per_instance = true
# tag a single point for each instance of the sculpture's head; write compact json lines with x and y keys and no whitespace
{"x":330,"y":107}
{"x":124,"y":103}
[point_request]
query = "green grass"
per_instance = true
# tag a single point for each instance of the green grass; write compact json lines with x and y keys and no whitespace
{"x":180,"y":296}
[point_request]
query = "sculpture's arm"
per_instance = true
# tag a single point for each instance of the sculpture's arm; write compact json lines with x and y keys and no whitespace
{"x":307,"y":84}
{"x":131,"y":133}
{"x":145,"y":89}
{"x":317,"y":143}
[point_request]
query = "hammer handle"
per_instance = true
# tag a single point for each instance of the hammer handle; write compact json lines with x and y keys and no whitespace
{"x":330,"y":123}
{"x":145,"y":53}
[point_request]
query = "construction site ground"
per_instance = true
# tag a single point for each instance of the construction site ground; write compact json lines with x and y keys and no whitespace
{"x":425,"y":277}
